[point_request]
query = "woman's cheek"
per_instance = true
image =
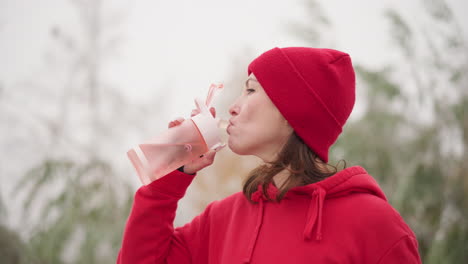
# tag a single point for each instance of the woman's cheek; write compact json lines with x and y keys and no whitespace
{"x":241,"y":142}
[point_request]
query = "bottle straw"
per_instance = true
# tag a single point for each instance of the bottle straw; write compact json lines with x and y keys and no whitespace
{"x":214,"y":90}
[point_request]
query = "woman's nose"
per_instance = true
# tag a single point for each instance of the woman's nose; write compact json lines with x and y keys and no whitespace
{"x":234,"y":109}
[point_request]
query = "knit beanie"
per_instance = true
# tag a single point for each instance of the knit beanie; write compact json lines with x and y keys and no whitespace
{"x":312,"y":88}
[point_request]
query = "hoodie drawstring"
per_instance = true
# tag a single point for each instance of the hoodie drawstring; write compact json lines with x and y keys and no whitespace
{"x":315,"y":214}
{"x":256,"y":232}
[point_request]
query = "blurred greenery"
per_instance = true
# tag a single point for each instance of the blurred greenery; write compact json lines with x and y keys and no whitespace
{"x":412,"y":137}
{"x":11,"y":246}
{"x":74,"y":204}
{"x":85,"y":214}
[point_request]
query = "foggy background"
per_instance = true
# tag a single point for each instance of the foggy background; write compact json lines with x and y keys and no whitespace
{"x":83,"y":81}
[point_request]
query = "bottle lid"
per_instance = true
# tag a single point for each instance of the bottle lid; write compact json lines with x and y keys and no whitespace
{"x":206,"y":123}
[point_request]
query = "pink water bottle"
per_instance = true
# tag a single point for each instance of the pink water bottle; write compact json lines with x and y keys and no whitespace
{"x":179,"y":145}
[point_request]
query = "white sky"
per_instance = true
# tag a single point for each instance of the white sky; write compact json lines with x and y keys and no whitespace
{"x":189,"y":44}
{"x":185,"y":45}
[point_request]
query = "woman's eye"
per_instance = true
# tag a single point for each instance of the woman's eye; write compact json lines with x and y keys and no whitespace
{"x":249,"y":91}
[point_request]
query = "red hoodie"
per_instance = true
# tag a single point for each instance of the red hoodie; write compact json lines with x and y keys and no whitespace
{"x":342,"y":219}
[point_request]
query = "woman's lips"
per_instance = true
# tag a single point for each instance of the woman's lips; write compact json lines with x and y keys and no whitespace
{"x":229,"y":127}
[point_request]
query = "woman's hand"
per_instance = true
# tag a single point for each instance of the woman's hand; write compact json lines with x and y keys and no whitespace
{"x":205,"y":160}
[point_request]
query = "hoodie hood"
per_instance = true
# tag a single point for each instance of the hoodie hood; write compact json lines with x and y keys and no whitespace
{"x":348,"y":181}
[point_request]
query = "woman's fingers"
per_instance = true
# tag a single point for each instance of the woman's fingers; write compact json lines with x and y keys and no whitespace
{"x":210,"y":156}
{"x":198,"y":164}
{"x":206,"y":160}
{"x":176,"y":122}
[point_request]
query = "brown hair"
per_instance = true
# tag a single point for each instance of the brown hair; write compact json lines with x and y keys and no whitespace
{"x":303,"y":165}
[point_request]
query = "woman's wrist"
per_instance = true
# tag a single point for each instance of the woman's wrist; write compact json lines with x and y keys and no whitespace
{"x":181,"y":169}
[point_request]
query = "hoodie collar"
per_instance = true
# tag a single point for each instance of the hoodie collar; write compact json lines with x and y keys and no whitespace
{"x":345,"y":182}
{"x":350,"y":180}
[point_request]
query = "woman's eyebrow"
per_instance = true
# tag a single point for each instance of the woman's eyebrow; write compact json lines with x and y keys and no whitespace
{"x":247,"y":81}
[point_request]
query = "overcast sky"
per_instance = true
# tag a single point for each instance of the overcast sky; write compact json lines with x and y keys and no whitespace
{"x":192,"y":43}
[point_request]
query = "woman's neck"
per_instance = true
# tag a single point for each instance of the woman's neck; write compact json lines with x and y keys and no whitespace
{"x":280,"y":178}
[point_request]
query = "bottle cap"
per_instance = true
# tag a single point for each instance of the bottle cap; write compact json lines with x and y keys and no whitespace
{"x":206,"y":123}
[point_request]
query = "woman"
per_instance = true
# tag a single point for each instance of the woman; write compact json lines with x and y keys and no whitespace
{"x":293,"y":209}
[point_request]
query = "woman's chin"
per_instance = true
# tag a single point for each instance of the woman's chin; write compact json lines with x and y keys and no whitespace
{"x":236,"y":149}
{"x":232,"y":147}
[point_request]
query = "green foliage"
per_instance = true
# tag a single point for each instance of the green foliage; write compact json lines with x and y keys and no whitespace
{"x":317,"y":18}
{"x":11,"y":247}
{"x":2,"y":208}
{"x":382,"y":86}
{"x":74,"y":211}
{"x":424,"y":182}
{"x":401,"y":32}
{"x":421,"y":165}
{"x":83,"y":217}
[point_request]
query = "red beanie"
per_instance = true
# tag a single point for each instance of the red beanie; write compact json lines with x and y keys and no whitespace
{"x":312,"y":88}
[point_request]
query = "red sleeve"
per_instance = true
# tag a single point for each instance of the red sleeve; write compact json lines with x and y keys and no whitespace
{"x":404,"y":250}
{"x":149,"y":235}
